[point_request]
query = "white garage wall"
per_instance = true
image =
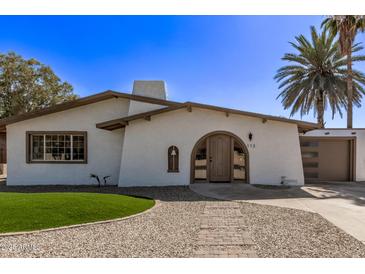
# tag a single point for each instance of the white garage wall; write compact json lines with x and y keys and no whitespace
{"x":276,"y":150}
{"x":104,"y":147}
{"x":360,"y":145}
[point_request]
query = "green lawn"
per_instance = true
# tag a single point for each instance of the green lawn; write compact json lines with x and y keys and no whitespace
{"x":32,"y":211}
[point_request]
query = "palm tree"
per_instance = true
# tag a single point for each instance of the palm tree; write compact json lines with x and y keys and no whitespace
{"x":346,"y":26}
{"x":316,"y":76}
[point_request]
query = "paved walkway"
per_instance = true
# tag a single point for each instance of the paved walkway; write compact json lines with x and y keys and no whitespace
{"x":223,"y":233}
{"x":341,"y":204}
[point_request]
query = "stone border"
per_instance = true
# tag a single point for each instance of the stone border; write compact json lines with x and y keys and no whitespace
{"x":20,"y":233}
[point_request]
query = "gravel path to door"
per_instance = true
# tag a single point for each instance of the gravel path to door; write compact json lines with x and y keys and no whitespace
{"x":180,"y":226}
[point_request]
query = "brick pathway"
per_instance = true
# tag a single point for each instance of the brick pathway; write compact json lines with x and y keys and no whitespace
{"x":222,"y":232}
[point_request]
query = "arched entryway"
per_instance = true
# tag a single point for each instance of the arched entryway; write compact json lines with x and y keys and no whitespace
{"x":219,"y":156}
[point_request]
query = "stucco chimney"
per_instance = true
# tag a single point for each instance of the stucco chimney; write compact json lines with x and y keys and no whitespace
{"x":154,"y":89}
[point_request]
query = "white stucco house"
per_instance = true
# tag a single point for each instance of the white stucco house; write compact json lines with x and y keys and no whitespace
{"x":143,"y":139}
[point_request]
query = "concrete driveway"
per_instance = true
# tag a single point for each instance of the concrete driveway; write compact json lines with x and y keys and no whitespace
{"x":342,"y":204}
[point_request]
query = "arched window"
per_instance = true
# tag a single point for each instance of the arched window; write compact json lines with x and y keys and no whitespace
{"x":173,"y":159}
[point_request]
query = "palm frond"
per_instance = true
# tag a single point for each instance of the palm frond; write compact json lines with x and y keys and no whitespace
{"x":314,"y":78}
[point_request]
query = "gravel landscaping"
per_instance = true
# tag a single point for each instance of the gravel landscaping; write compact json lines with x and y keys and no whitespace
{"x":283,"y":232}
{"x":168,"y":230}
{"x":171,"y":229}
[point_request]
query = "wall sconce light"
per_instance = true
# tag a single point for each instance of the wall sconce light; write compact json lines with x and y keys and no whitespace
{"x":250,"y":136}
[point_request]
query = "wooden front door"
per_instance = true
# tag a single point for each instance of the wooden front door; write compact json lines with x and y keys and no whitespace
{"x":220,"y":158}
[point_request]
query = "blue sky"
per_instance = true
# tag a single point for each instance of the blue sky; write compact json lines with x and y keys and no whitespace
{"x":228,"y":61}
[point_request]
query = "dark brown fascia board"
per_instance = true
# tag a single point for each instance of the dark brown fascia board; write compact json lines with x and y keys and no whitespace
{"x":152,"y":112}
{"x":112,"y":124}
{"x":171,"y":105}
{"x":145,"y":99}
{"x":122,"y":122}
{"x":189,"y":105}
{"x":60,"y":107}
{"x":84,"y":101}
{"x":253,"y":114}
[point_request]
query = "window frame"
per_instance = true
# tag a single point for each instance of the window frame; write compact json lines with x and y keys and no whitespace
{"x":28,"y":138}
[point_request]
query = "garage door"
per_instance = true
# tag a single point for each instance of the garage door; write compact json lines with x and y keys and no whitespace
{"x":327,"y":159}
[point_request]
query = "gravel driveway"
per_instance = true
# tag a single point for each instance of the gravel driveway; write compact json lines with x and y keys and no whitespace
{"x":171,"y":230}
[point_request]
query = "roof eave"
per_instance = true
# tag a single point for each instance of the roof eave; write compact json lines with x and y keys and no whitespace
{"x":256,"y":115}
{"x":170,"y":106}
{"x":109,"y":94}
{"x":302,"y":126}
{"x":112,"y":124}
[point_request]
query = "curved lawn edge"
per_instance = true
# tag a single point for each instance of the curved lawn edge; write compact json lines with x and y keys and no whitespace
{"x":8,"y":234}
{"x":86,"y":223}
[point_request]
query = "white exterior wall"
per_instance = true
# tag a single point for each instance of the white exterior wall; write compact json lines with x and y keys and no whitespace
{"x":360,"y":145}
{"x":276,"y":150}
{"x":104,"y":147}
{"x":138,"y":107}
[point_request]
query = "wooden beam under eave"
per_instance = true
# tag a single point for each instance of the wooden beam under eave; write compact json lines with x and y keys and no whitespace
{"x":112,"y":125}
{"x":264,"y":120}
{"x":227,"y":114}
{"x":147,"y":118}
{"x":189,"y":108}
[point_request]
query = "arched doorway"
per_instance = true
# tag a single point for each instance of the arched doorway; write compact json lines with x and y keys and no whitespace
{"x":219,"y":156}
